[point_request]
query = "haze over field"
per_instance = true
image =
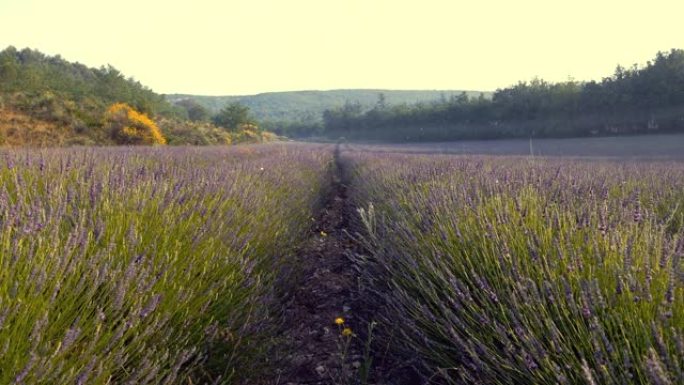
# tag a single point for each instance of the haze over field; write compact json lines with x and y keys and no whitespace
{"x":240,"y":47}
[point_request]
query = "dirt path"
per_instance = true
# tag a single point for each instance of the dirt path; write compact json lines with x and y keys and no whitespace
{"x":322,"y":354}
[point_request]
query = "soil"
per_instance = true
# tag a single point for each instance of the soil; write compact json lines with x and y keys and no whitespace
{"x":312,"y":349}
{"x":19,"y":129}
{"x":317,"y":351}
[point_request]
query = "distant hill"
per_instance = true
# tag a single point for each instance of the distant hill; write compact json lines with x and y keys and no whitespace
{"x":309,"y":105}
{"x":638,"y":100}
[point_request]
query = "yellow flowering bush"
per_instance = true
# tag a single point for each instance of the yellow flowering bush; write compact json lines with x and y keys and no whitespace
{"x":128,"y":126}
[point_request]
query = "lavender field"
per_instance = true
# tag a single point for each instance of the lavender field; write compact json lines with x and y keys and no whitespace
{"x":519,"y":270}
{"x":178,"y":266}
{"x":662,"y":146}
{"x":148,"y":266}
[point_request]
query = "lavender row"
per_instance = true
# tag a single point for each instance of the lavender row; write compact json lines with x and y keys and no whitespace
{"x":148,"y":266}
{"x":527,"y":271}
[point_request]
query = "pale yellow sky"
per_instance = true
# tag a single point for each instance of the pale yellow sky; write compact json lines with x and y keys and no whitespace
{"x":250,"y":46}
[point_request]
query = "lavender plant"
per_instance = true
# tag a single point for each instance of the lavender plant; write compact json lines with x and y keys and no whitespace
{"x":509,"y":270}
{"x":147,"y":266}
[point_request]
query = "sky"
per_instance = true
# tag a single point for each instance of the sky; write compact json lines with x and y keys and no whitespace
{"x":236,"y":47}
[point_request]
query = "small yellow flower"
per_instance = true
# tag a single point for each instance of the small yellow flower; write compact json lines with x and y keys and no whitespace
{"x":339,"y":321}
{"x":324,"y":234}
{"x":347,"y":332}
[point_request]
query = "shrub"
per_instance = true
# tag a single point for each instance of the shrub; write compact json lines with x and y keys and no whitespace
{"x":128,"y":126}
{"x":185,"y":132}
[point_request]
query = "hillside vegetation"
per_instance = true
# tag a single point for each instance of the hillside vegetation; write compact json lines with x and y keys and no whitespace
{"x":646,"y":99}
{"x":48,"y":101}
{"x":282,"y":110}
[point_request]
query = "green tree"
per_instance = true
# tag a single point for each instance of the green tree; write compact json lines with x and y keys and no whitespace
{"x":9,"y":68}
{"x":196,"y":112}
{"x":232,"y":116}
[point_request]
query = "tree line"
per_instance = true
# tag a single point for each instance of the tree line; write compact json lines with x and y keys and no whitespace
{"x":30,"y":71}
{"x":642,"y":99}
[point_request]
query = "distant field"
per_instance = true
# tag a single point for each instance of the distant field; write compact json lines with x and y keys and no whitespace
{"x":644,"y":146}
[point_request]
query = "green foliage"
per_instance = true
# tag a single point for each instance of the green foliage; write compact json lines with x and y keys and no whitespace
{"x":233,"y":116}
{"x":30,"y":71}
{"x":75,"y":99}
{"x":184,"y":132}
{"x":195,"y":111}
{"x":300,"y":112}
{"x":180,"y":132}
{"x":636,"y":100}
{"x":291,"y":105}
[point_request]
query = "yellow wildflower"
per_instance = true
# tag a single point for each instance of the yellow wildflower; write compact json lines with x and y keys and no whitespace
{"x":129,"y":126}
{"x":347,"y":332}
{"x":324,"y":234}
{"x":339,"y":321}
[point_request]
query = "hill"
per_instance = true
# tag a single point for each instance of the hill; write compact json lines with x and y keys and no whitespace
{"x":49,"y":101}
{"x":308,"y":106}
{"x":637,"y":100}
